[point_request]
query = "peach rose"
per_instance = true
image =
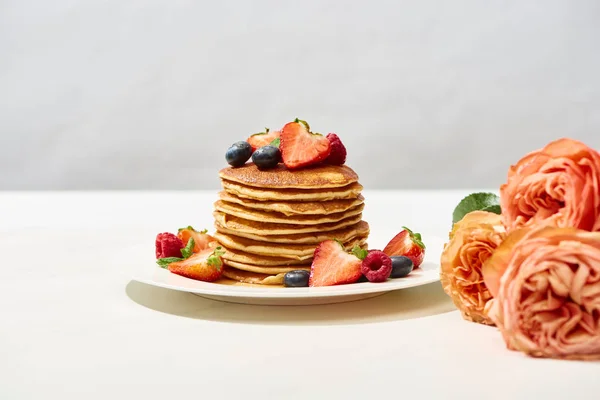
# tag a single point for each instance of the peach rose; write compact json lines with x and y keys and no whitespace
{"x":546,"y":287}
{"x":472,"y":241}
{"x":558,"y":185}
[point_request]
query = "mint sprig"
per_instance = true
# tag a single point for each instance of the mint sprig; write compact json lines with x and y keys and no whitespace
{"x":478,"y":201}
{"x":275,"y":143}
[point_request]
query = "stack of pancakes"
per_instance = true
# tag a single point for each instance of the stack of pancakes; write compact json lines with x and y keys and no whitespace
{"x":270,"y":222}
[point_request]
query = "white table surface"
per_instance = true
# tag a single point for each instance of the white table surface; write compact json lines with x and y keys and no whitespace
{"x":74,"y":326}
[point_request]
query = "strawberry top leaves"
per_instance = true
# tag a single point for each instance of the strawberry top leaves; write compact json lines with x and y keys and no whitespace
{"x":415,"y":237}
{"x":214,"y":259}
{"x":266,"y":132}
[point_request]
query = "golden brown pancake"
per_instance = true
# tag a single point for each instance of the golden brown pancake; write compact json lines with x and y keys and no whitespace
{"x":294,"y":208}
{"x":323,"y":176}
{"x":292,"y":251}
{"x":265,"y":216}
{"x":253,"y":259}
{"x":276,"y":269}
{"x":360,"y":229}
{"x":347,"y":192}
{"x":267,"y":228}
{"x":252,"y":277}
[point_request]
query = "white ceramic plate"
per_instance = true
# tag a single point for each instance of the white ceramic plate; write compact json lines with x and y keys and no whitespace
{"x":146,"y":271}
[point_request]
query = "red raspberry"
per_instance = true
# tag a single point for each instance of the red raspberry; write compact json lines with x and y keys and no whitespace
{"x":168,"y":245}
{"x":338,"y":151}
{"x":377,"y":266}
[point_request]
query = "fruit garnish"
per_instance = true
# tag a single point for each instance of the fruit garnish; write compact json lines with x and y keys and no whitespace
{"x":407,"y":244}
{"x":185,"y":252}
{"x":202,"y":239}
{"x":266,"y":157}
{"x":338,"y":150}
{"x":474,"y":202}
{"x":377,"y":266}
{"x":332,"y":265}
{"x":168,"y":245}
{"x":401,"y":266}
{"x":203,"y":266}
{"x":300,"y":147}
{"x":261,"y":139}
{"x":238,"y":154}
{"x":298,"y":278}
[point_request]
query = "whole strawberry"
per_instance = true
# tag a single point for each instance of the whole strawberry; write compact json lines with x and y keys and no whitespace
{"x":168,"y":245}
{"x":338,"y":150}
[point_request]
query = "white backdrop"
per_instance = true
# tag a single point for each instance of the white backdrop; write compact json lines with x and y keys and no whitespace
{"x":123,"y":94}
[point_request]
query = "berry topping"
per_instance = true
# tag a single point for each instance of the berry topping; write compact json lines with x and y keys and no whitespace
{"x":300,"y":147}
{"x":202,"y":240}
{"x":338,"y":150}
{"x":297,"y":278}
{"x":238,"y":154}
{"x":332,"y":265}
{"x":207,"y":265}
{"x":401,"y":266}
{"x":261,"y":139}
{"x":408,"y":244}
{"x":266,"y":157}
{"x":376,"y":266}
{"x":168,"y":245}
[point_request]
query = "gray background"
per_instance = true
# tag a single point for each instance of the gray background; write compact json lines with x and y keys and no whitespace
{"x":426,"y":94}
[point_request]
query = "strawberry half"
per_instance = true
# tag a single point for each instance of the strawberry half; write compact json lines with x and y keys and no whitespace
{"x":300,"y":147}
{"x":207,"y":265}
{"x":261,"y":139}
{"x":407,"y":244}
{"x":332,"y":265}
{"x":202,"y":239}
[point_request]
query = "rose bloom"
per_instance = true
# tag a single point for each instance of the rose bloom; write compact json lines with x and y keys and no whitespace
{"x":558,"y":185}
{"x":546,"y":287}
{"x":472,"y":241}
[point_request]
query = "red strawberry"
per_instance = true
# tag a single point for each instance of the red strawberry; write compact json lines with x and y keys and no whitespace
{"x":300,"y":147}
{"x":168,"y":245}
{"x":261,"y":139}
{"x":338,"y":150}
{"x":201,"y":239}
{"x":207,"y":265}
{"x":407,"y":244}
{"x":332,"y":265}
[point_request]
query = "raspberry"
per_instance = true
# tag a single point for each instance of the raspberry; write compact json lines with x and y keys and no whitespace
{"x":168,"y":245}
{"x":377,"y":266}
{"x":338,"y":151}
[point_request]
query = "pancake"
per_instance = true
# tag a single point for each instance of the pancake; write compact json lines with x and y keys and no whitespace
{"x":345,"y":234}
{"x":278,"y":269}
{"x":253,"y":259}
{"x":351,"y":191}
{"x":252,"y":277}
{"x":266,"y":228}
{"x":322,"y":176}
{"x":294,"y":208}
{"x":293,"y":251}
{"x":265,"y":216}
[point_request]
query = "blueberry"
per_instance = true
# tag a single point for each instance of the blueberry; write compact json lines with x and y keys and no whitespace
{"x":297,"y":278}
{"x":266,"y":157}
{"x":238,"y":153}
{"x":401,"y":266}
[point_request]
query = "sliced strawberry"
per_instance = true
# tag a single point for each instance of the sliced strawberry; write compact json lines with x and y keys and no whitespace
{"x":407,"y":244}
{"x":202,"y":240}
{"x":261,"y":139}
{"x":300,"y":147}
{"x":207,"y":265}
{"x":332,"y":265}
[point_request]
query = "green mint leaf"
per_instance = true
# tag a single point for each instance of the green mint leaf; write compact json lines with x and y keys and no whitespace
{"x":164,"y":262}
{"x":276,"y":142}
{"x":188,"y":250}
{"x":475,"y":202}
{"x":361,"y":254}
